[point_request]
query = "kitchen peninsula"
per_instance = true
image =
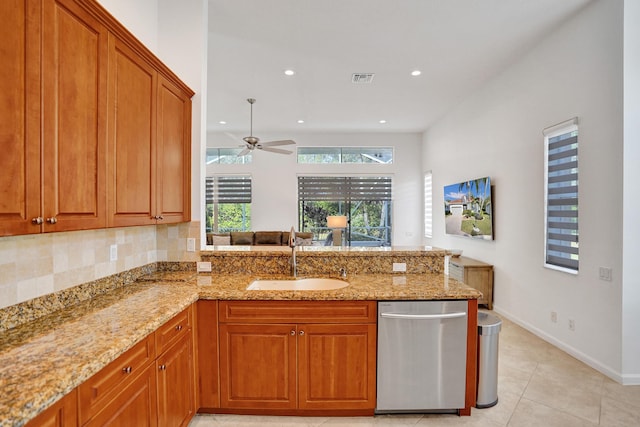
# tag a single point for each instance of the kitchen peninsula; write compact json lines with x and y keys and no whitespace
{"x":53,"y":356}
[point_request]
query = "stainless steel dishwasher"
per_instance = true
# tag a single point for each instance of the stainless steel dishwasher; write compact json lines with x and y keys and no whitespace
{"x":422,"y":353}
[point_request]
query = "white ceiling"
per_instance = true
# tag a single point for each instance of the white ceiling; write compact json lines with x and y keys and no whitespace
{"x":457,"y":44}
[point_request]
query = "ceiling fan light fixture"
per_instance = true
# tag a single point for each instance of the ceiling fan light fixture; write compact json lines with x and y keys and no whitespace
{"x":253,"y":142}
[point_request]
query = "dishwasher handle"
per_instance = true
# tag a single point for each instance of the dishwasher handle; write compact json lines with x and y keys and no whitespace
{"x":424,"y":316}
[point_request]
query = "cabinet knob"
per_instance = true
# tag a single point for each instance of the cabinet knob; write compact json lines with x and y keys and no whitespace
{"x":126,"y":370}
{"x":37,"y":220}
{"x":293,"y":332}
{"x":52,"y":220}
{"x":160,"y":217}
{"x":179,"y":328}
{"x":162,"y":367}
{"x":301,"y":333}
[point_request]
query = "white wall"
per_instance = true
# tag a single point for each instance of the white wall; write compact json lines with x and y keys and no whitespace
{"x":575,"y":71}
{"x":140,"y":17}
{"x":631,"y":243}
{"x":275,"y":187}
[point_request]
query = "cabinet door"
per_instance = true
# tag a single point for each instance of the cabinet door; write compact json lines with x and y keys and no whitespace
{"x":207,"y":341}
{"x":134,"y":405}
{"x":96,"y":392}
{"x":173,"y":154}
{"x":176,"y":384}
{"x":19,"y":116}
{"x":131,"y":172}
{"x":258,"y":366}
{"x":74,"y":71}
{"x":337,"y":366}
{"x":60,"y":414}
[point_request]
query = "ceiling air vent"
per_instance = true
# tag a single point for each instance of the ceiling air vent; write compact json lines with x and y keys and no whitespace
{"x":362,"y":77}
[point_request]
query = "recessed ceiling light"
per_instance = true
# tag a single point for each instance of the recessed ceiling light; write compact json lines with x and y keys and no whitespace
{"x":289,"y":72}
{"x":222,"y":122}
{"x":300,"y":121}
{"x":383,"y":122}
{"x":416,"y":73}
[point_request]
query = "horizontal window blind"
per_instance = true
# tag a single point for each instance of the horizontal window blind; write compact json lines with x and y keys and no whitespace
{"x":562,"y":246}
{"x":428,"y":205}
{"x":228,"y":189}
{"x":323,"y":188}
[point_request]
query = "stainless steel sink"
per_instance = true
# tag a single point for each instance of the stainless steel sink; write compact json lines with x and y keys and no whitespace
{"x":310,"y":284}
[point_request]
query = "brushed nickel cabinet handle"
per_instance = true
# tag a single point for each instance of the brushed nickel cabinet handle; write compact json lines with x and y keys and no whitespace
{"x":162,"y":367}
{"x":301,"y":333}
{"x":126,"y":370}
{"x":37,"y":220}
{"x":179,"y":328}
{"x":293,"y":332}
{"x":52,"y":220}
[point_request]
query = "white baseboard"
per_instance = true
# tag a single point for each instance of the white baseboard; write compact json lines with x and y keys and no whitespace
{"x":631,"y":379}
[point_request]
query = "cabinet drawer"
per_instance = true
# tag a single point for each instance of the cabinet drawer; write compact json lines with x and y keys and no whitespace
{"x":174,"y":329}
{"x":100,"y":389}
{"x":297,"y":311}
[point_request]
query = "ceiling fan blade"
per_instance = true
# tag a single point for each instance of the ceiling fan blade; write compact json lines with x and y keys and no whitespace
{"x":244,"y":152}
{"x":275,"y":150}
{"x":280,"y":142}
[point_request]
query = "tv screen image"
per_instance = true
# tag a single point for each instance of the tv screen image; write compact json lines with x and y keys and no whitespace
{"x":468,"y":209}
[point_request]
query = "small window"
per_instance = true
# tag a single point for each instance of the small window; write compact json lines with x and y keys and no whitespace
{"x":561,"y":196}
{"x":227,"y":156}
{"x":428,"y":205}
{"x":228,"y":203}
{"x":344,"y":155}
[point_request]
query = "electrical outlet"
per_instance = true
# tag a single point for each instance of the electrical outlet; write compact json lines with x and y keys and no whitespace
{"x":203,"y":267}
{"x":400,"y":266}
{"x":554,"y":317}
{"x":191,"y":244}
{"x":113,"y":253}
{"x":605,"y":273}
{"x":572,"y":325}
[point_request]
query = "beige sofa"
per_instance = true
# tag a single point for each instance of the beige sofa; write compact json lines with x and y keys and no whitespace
{"x":258,"y":238}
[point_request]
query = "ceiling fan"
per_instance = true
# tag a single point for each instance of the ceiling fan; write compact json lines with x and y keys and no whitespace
{"x":253,"y":142}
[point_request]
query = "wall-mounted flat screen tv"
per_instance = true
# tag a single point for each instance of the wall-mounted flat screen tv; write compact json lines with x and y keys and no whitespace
{"x":468,"y":209}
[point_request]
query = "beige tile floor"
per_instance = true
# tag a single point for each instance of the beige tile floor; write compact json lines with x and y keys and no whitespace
{"x":538,"y":385}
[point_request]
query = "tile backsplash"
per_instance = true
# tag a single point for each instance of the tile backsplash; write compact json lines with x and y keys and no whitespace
{"x":36,"y":265}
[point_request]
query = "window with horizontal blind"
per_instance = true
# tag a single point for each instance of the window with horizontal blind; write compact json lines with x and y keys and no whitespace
{"x":428,"y":205}
{"x":561,"y":196}
{"x":366,"y":201}
{"x":228,"y":203}
{"x":345,"y":155}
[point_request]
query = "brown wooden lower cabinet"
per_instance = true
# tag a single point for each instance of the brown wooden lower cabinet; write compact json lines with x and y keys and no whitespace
{"x":63,"y":413}
{"x":208,"y":395}
{"x":337,"y":366}
{"x":176,"y":389}
{"x":271,"y":365}
{"x":133,"y":405}
{"x":151,"y":384}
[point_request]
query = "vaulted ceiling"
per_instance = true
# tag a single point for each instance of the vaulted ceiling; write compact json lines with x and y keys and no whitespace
{"x":456,"y":44}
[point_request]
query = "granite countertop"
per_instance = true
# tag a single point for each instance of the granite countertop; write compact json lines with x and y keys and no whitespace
{"x":43,"y":360}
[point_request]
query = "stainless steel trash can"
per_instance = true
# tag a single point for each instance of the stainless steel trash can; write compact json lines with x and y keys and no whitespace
{"x":489,"y":326}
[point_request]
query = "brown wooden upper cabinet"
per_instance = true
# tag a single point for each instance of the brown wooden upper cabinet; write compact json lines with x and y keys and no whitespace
{"x":149,"y":144}
{"x":94,"y":129}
